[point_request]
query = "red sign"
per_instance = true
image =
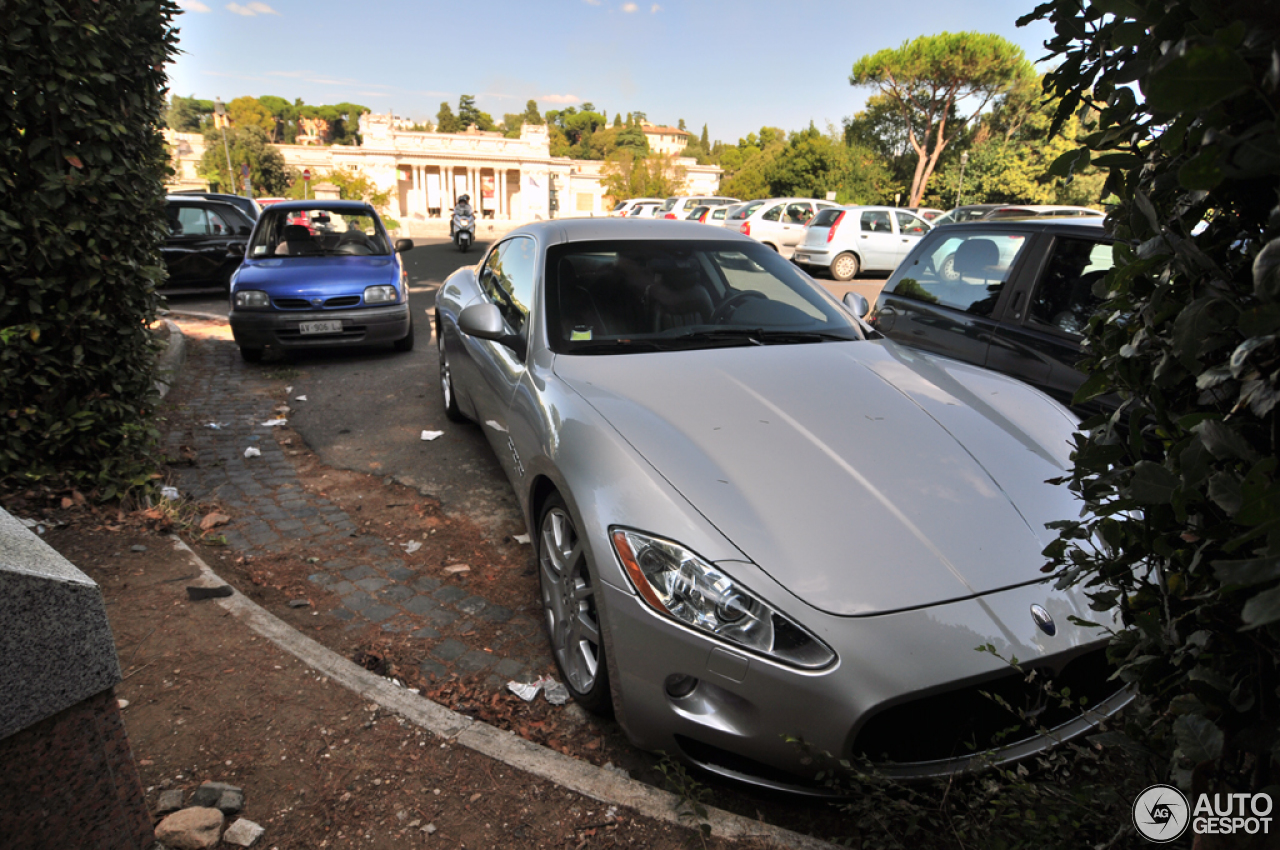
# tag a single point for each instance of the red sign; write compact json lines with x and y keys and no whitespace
{"x":306,"y":174}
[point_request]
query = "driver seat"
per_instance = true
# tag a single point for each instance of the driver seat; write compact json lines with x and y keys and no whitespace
{"x":676,"y":300}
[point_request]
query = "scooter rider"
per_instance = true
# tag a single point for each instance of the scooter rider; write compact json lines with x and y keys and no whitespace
{"x":463,"y":207}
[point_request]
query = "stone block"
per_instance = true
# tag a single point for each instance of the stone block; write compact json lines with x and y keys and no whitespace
{"x":196,"y":828}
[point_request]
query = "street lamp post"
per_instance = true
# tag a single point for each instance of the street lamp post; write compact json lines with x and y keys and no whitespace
{"x":964,"y":160}
{"x":221,"y":112}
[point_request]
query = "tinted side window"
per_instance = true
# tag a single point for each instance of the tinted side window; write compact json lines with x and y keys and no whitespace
{"x":909,"y":224}
{"x":798,"y":213}
{"x":876,"y":221}
{"x":965,"y":272}
{"x":773,"y":214}
{"x":1064,"y":296}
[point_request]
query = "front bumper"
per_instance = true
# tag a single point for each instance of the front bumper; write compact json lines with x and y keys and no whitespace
{"x":734,"y":721}
{"x":364,"y":326}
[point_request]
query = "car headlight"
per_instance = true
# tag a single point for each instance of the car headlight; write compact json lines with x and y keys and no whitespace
{"x":252,"y":299}
{"x":680,"y":584}
{"x":380,"y":294}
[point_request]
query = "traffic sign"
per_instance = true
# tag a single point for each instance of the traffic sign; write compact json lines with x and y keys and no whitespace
{"x":306,"y":174}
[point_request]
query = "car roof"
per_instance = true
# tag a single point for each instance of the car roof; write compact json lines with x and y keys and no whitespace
{"x":313,"y":204}
{"x":562,"y":230}
{"x":1093,"y":225}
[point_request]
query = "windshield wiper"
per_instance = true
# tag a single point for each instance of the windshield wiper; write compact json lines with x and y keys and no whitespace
{"x":615,"y":346}
{"x":761,"y":336}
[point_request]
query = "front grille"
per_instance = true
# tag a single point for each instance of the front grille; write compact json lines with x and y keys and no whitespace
{"x":329,"y":303}
{"x":958,"y":723}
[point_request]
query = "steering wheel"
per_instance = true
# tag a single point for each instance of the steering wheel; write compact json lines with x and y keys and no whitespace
{"x":735,"y":301}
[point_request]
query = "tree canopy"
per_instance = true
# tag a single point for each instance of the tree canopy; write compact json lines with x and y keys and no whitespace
{"x":931,"y":78}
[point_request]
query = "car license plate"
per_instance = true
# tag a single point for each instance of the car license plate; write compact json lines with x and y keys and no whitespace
{"x":320,"y":327}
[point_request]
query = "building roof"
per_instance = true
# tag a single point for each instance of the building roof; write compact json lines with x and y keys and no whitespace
{"x":652,"y":128}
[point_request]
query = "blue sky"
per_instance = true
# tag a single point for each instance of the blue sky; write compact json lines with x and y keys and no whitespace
{"x":734,"y":65}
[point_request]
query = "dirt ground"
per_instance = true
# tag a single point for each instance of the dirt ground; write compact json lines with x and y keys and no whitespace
{"x":206,"y":699}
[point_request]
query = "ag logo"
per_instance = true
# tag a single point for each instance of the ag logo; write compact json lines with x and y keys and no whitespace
{"x":1161,"y":814}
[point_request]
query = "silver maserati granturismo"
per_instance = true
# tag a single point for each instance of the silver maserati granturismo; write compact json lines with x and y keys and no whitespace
{"x":755,"y":519}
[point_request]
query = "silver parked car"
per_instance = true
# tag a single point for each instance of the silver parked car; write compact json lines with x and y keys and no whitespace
{"x":778,"y":222}
{"x":755,"y":517}
{"x":848,"y":240}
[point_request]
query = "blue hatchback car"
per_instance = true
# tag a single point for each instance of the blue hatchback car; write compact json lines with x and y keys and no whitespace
{"x":320,"y":274}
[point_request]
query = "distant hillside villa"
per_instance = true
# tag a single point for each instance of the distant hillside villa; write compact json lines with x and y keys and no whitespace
{"x":507,"y":179}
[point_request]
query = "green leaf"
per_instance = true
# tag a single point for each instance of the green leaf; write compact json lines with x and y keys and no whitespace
{"x":1070,"y":162}
{"x":1196,"y":80}
{"x":1198,"y":738}
{"x":1202,"y":171}
{"x":1118,"y":160}
{"x":1223,"y":441}
{"x":1262,"y":609}
{"x":1249,"y":572}
{"x":1266,"y":273}
{"x":1152,"y":484}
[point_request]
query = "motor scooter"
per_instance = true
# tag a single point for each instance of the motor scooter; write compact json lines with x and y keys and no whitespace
{"x":463,"y":228}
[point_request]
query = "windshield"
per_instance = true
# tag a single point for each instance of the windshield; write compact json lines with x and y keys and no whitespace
{"x":318,"y":232}
{"x":620,"y":297}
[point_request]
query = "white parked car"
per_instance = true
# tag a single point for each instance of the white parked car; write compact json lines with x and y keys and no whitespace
{"x":849,"y":240}
{"x":646,"y":209}
{"x":680,"y":206}
{"x":777,"y":222}
{"x":624,"y":208}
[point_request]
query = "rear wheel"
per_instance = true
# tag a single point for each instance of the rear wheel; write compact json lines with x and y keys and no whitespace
{"x":251,"y":355}
{"x":845,"y":267}
{"x":569,"y":590}
{"x":451,"y":408}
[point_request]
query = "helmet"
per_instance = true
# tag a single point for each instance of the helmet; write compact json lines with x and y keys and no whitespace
{"x":466,"y":199}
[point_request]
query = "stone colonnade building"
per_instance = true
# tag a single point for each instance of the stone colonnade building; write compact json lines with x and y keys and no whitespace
{"x":507,"y":179}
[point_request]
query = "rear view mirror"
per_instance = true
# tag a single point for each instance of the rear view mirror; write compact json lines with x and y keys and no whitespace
{"x":403,"y":245}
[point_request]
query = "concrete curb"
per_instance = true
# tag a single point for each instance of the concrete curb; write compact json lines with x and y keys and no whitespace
{"x":597,"y":783}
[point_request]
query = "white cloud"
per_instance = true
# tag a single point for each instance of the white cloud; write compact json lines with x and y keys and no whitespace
{"x":193,"y":6}
{"x":630,"y":7}
{"x":252,"y":10}
{"x":561,"y":99}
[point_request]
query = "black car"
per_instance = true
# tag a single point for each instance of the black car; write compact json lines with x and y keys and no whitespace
{"x":248,"y":206}
{"x":1013,"y":296}
{"x":206,"y":241}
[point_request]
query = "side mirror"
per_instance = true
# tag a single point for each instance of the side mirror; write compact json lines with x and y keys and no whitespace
{"x":856,"y":303}
{"x":403,"y":245}
{"x":484,"y":321}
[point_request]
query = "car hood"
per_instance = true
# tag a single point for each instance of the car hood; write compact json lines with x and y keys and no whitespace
{"x":864,"y":477}
{"x":303,"y":276}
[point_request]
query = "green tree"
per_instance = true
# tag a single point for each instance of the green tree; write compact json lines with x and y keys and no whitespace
{"x":286,"y":118}
{"x":1179,"y":486}
{"x":244,"y":145}
{"x":248,"y":112}
{"x":469,"y":113}
{"x":82,"y":169}
{"x":353,"y":185}
{"x":627,"y":175}
{"x":446,"y":121}
{"x":188,"y":114}
{"x":929,"y":77}
{"x":531,"y":114}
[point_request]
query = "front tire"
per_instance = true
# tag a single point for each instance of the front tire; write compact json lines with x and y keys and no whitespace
{"x":845,"y":267}
{"x":447,"y":396}
{"x":569,"y":591}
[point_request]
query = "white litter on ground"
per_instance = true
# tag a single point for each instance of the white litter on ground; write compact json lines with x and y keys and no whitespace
{"x":555,"y":692}
{"x":300,"y":398}
{"x":522,"y":539}
{"x":411,"y":547}
{"x":271,"y":423}
{"x":170,"y":493}
{"x":252,"y":452}
{"x":432,"y":435}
